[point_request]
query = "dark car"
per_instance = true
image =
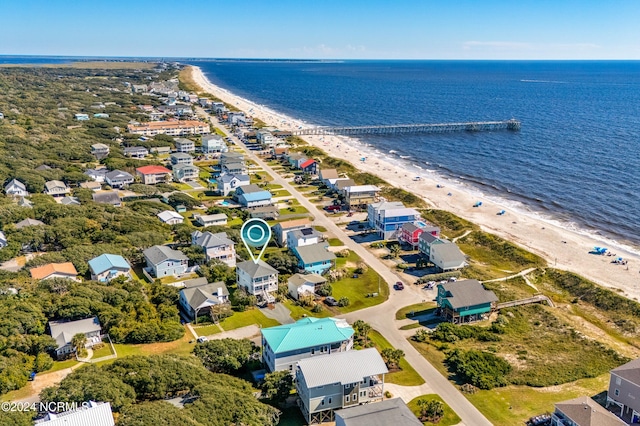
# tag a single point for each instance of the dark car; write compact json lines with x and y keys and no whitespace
{"x":334,"y":208}
{"x":399,"y":286}
{"x":331,"y":301}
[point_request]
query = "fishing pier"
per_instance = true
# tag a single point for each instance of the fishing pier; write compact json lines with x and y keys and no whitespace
{"x":478,"y":126}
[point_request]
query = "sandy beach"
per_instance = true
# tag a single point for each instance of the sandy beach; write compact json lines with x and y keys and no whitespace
{"x":561,"y":247}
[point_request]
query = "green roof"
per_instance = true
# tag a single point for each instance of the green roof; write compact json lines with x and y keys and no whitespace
{"x":306,"y":333}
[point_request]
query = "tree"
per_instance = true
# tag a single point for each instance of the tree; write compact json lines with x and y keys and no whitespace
{"x":277,"y":386}
{"x":325,"y":290}
{"x":482,"y":369}
{"x":284,"y":262}
{"x":79,"y":341}
{"x":343,"y":301}
{"x":361,"y":330}
{"x":392,"y":357}
{"x":156,"y":413}
{"x":225,"y":355}
{"x":195,"y":254}
{"x":188,"y":201}
{"x":394,"y":251}
{"x":430,"y":410}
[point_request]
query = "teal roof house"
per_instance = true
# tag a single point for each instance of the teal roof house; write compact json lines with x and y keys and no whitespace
{"x":284,"y":345}
{"x":106,"y":267}
{"x":464,"y":301}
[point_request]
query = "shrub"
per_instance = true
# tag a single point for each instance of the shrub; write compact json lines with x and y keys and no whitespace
{"x":324,"y":290}
{"x":344,"y":301}
{"x":481,"y":369}
{"x":317,"y":308}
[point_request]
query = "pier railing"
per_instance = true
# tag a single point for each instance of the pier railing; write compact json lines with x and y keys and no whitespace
{"x":478,"y":126}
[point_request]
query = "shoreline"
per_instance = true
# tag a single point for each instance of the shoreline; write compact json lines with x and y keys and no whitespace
{"x":562,"y":248}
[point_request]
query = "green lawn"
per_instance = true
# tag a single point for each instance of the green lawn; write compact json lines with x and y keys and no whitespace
{"x":281,"y":193}
{"x":450,"y":417}
{"x":250,"y":317}
{"x":407,"y":376}
{"x":104,"y":351}
{"x":298,"y":311}
{"x":320,"y":228}
{"x":411,"y":326}
{"x":293,"y":210}
{"x":335,"y":242}
{"x":356,"y":290}
{"x":417,"y":309}
{"x":61,"y":365}
{"x":206,"y":330}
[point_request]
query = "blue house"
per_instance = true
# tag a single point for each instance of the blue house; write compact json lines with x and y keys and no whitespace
{"x":253,"y":196}
{"x":106,"y":267}
{"x":464,"y":301}
{"x":387,"y":217}
{"x":314,"y":258}
{"x":163,"y":261}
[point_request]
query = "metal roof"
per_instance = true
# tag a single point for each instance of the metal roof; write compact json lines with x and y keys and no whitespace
{"x":390,"y":412}
{"x":158,"y":254}
{"x":300,"y":279}
{"x":467,"y":293}
{"x":307,"y":333}
{"x":96,"y":414}
{"x":342,"y":367}
{"x":314,"y":253}
{"x":106,"y":262}
{"x":361,"y":188}
{"x":167,"y":215}
{"x":256,"y":269}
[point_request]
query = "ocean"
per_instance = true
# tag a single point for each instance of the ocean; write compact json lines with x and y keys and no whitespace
{"x":575,"y":161}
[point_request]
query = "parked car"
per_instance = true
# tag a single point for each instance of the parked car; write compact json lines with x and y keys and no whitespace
{"x":202,"y":339}
{"x":334,"y":208}
{"x":399,"y":285}
{"x":331,"y":301}
{"x":350,"y":214}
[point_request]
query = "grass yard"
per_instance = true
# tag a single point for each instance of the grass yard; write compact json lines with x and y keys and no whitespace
{"x":335,"y":242}
{"x":293,"y":210}
{"x":180,"y":347}
{"x":61,"y":365}
{"x":320,"y":228}
{"x":417,"y":309}
{"x":356,"y":289}
{"x":450,"y":417}
{"x":206,"y":330}
{"x":407,"y":376}
{"x":298,"y":311}
{"x":411,"y":326}
{"x":103,"y":351}
{"x":243,"y":319}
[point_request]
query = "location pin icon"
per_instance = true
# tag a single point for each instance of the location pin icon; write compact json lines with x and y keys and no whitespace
{"x":255,"y":233}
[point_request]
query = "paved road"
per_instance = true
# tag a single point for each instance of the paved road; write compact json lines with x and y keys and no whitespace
{"x":382,"y":317}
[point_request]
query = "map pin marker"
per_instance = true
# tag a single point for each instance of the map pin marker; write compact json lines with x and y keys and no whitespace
{"x":255,"y":233}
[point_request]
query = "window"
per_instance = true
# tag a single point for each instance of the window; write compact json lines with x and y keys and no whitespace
{"x":618,"y":381}
{"x":616,"y":392}
{"x":322,"y":403}
{"x":355,"y":397}
{"x":329,"y":400}
{"x":346,"y":398}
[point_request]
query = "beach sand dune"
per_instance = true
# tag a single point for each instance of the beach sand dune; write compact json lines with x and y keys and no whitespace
{"x":562,"y":248}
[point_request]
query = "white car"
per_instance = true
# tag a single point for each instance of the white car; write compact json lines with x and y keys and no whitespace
{"x":202,"y":339}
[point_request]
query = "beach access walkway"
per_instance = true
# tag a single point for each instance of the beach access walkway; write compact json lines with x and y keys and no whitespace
{"x":381,"y":317}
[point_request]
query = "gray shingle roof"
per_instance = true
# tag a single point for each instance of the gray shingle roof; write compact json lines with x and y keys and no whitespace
{"x":248,"y":189}
{"x":468,"y":293}
{"x":300,"y":279}
{"x":584,"y":411}
{"x":448,"y":252}
{"x":314,"y":253}
{"x":63,"y":331}
{"x":342,"y":367}
{"x":390,"y":412}
{"x":107,"y":197}
{"x":199,"y":294}
{"x":28,"y":222}
{"x":157,"y":254}
{"x":427,"y":237}
{"x":629,"y":371}
{"x":259,"y":269}
{"x":209,"y":239}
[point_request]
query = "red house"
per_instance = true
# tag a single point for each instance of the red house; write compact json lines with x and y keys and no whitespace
{"x":151,"y":175}
{"x":309,"y":167}
{"x":410,"y":232}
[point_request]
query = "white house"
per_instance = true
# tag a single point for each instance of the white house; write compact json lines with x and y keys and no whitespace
{"x":447,"y":256}
{"x":216,"y":246}
{"x":170,"y":217}
{"x":56,"y":188}
{"x":181,"y":158}
{"x":16,"y":188}
{"x":227,"y":183}
{"x":97,"y":175}
{"x":301,"y":284}
{"x":213,"y":143}
{"x":185,"y":145}
{"x":211,"y":219}
{"x":3,"y":240}
{"x":100,"y":150}
{"x":63,"y":332}
{"x":185,"y":172}
{"x":258,"y":279}
{"x":118,"y":178}
{"x":95,"y":414}
{"x":303,"y":237}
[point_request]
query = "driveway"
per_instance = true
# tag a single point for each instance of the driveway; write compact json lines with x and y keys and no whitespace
{"x":280,"y":313}
{"x":382,"y":317}
{"x":195,"y":185}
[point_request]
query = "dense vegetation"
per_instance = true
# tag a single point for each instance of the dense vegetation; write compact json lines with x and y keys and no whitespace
{"x":136,"y":387}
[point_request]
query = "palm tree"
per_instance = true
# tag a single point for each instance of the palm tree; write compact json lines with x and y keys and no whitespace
{"x":79,"y":341}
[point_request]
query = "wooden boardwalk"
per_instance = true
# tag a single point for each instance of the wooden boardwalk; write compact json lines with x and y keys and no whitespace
{"x":477,"y":126}
{"x":538,"y":298}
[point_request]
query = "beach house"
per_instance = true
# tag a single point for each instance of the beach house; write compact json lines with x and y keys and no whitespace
{"x":55,"y":270}
{"x":118,"y":178}
{"x":359,"y":196}
{"x":301,"y":284}
{"x":283,"y":346}
{"x":229,"y":182}
{"x":219,"y":219}
{"x":583,"y":411}
{"x":56,"y":188}
{"x":387,"y":217}
{"x":216,"y":246}
{"x":107,"y":197}
{"x":135,"y":152}
{"x":447,"y":256}
{"x":181,"y":158}
{"x":185,"y":172}
{"x":213,"y":144}
{"x":231,"y":167}
{"x":171,"y":128}
{"x":106,"y":267}
{"x":303,"y":237}
{"x":392,"y":412}
{"x":258,"y":279}
{"x":309,"y":167}
{"x":280,"y":230}
{"x":170,"y":217}
{"x":426,"y":241}
{"x":342,"y":184}
{"x":331,"y":382}
{"x":97,"y":175}
{"x":185,"y":145}
{"x":199,"y":296}
{"x":15,"y":188}
{"x":82,"y":117}
{"x":314,"y":258}
{"x":265,"y":138}
{"x":464,"y":301}
{"x":624,"y":391}
{"x":99,"y":150}
{"x":151,"y":175}
{"x":63,"y":332}
{"x":410,"y":232}
{"x":252,"y":196}
{"x":163,"y":261}
{"x":92,"y":413}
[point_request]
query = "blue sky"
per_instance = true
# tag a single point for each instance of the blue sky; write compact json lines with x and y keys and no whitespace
{"x":340,"y":29}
